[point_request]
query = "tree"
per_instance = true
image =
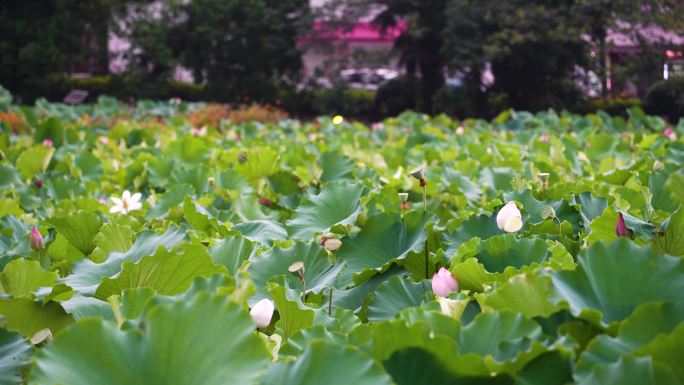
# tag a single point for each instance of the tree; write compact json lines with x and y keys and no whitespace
{"x":44,"y":40}
{"x":238,"y":49}
{"x":533,"y":47}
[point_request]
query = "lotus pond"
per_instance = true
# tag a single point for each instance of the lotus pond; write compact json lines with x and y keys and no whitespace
{"x":145,"y":246}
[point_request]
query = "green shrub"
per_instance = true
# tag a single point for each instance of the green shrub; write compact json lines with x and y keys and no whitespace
{"x":455,"y":102}
{"x":343,"y":101}
{"x":666,"y":98}
{"x":396,"y":96}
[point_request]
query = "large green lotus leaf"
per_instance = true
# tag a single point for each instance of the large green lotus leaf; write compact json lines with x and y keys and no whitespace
{"x":326,"y":363}
{"x":412,"y":366}
{"x":497,"y":178}
{"x":615,"y":278}
{"x":189,"y":149}
{"x":294,"y":315}
{"x":262,"y":231}
{"x":646,"y":323}
{"x":481,"y":226}
{"x":661,"y":199}
{"x":81,"y":307}
{"x":459,"y":183}
{"x":675,"y":184}
{"x":196,"y":176}
{"x":382,"y":339}
{"x":501,"y":252}
{"x":34,"y":160}
{"x":14,"y":355}
{"x":79,"y":229}
{"x":667,"y":350}
{"x":602,"y":228}
{"x":297,"y":344}
{"x":62,"y":250}
{"x":335,"y":166}
{"x":640,"y":228}
{"x":206,"y":340}
{"x":628,"y":371}
{"x":499,"y":335}
{"x":232,"y":252}
{"x":21,"y":277}
{"x":527,"y":293}
{"x":552,"y":368}
{"x":9,"y":176}
{"x":173,"y":197}
{"x":87,"y":275}
{"x":112,"y":237}
{"x":248,"y":208}
{"x":10,"y":207}
{"x":261,"y":162}
{"x":319,"y":272}
{"x":336,"y":204}
{"x":354,"y":298}
{"x":672,"y":240}
{"x":28,"y":316}
{"x":533,"y":208}
{"x":168,"y":272}
{"x":384,"y":238}
{"x":589,"y":208}
{"x":90,"y":166}
{"x":396,"y":295}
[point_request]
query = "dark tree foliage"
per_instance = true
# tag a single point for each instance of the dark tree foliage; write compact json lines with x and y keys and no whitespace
{"x":40,"y":38}
{"x":533,"y":47}
{"x":237,"y":48}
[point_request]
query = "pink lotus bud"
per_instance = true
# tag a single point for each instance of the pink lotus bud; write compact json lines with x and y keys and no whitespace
{"x":265,"y":202}
{"x":38,"y":183}
{"x":35,"y":239}
{"x":104,"y":140}
{"x":196,"y":132}
{"x":460,"y":130}
{"x":443,"y":283}
{"x":377,"y":126}
{"x":47,"y":143}
{"x":621,"y":229}
{"x":262,"y":312}
{"x":544,"y":138}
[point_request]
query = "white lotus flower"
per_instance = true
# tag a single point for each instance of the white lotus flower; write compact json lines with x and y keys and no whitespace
{"x":262,"y":312}
{"x":127,"y":203}
{"x":509,"y":218}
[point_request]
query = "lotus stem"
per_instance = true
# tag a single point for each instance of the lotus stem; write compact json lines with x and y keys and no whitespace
{"x":424,"y":198}
{"x":427,"y":256}
{"x":330,"y":302}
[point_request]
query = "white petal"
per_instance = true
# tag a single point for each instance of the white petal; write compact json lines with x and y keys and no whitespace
{"x":508,"y":211}
{"x":116,"y":209}
{"x":116,"y":201}
{"x":513,"y":224}
{"x":134,"y":206}
{"x":135,"y":197}
{"x":126,"y":195}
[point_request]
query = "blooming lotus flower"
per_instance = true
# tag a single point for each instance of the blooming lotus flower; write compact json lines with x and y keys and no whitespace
{"x":443,"y":283}
{"x":544,"y":138}
{"x":35,"y":239}
{"x":378,"y":126}
{"x":460,"y":130}
{"x":669,"y":132}
{"x":196,"y":132}
{"x":621,"y":229}
{"x":262,"y":312}
{"x":127,"y":203}
{"x":47,"y":143}
{"x":104,"y":140}
{"x":509,"y":218}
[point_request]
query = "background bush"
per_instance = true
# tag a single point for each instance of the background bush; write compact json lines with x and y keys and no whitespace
{"x":666,"y":98}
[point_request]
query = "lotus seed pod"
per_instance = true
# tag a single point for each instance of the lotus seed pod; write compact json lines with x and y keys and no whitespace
{"x":242,"y":157}
{"x":332,"y":244}
{"x":547,"y":212}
